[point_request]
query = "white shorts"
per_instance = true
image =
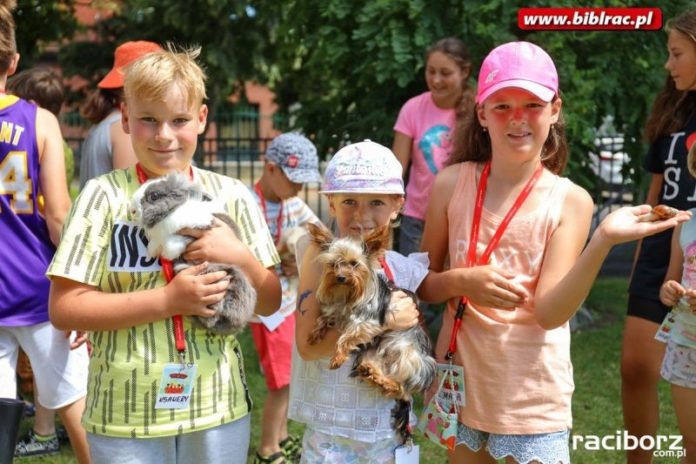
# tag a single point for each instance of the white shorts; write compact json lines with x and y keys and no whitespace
{"x":679,"y":365}
{"x":224,"y":444}
{"x":60,"y":373}
{"x":318,"y":447}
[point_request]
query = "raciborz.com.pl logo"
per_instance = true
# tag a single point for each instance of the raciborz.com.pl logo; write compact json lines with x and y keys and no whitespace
{"x":660,"y":445}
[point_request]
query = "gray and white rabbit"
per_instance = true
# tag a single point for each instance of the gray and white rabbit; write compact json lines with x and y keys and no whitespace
{"x":165,"y":205}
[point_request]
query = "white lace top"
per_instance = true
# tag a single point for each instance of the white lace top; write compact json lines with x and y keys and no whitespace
{"x":332,"y":402}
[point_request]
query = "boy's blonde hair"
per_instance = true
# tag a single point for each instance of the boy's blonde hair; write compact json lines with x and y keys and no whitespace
{"x":150,"y":77}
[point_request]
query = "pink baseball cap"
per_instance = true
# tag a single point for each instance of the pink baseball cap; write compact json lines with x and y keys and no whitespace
{"x":518,"y":64}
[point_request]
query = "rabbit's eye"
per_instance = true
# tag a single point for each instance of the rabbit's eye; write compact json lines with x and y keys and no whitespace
{"x":153,"y":196}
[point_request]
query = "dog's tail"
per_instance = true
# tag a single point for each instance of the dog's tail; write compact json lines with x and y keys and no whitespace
{"x":401,"y":415}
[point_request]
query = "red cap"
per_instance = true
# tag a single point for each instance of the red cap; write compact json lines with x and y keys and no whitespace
{"x":124,"y":55}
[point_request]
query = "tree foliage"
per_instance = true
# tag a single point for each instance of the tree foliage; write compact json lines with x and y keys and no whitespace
{"x":227,"y":31}
{"x":342,"y":69}
{"x":347,"y":67}
{"x":39,"y":23}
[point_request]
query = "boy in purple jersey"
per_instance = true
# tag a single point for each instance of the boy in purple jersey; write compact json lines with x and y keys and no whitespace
{"x":31,"y":161}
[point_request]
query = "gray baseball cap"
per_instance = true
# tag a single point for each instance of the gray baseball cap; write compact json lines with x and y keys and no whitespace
{"x":296,"y":156}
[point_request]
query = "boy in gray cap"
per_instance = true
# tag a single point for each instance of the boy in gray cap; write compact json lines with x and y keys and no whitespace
{"x":290,"y":162}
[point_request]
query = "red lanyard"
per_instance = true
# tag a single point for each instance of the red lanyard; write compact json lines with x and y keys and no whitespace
{"x":279,"y":220}
{"x":168,"y":271}
{"x":387,"y":270}
{"x":471,"y":253}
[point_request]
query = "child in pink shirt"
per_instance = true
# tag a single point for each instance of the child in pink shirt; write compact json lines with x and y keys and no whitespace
{"x":423,"y":128}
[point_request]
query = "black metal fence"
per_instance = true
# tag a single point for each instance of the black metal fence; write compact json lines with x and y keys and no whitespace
{"x":241,"y":157}
{"x":613,"y":176}
{"x":238,"y":157}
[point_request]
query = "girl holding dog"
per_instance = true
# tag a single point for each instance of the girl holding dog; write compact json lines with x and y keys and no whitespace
{"x":503,"y":197}
{"x":347,"y":419}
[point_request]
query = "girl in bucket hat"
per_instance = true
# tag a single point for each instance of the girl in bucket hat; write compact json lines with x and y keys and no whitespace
{"x":107,"y":146}
{"x":346,"y":419}
{"x":513,"y":230}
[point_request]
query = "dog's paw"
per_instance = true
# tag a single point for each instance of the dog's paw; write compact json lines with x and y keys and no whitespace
{"x":337,"y":361}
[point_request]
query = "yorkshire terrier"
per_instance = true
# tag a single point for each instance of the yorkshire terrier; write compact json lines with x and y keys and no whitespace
{"x":354,"y":299}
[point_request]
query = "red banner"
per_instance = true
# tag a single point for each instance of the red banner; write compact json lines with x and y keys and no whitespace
{"x":590,"y":19}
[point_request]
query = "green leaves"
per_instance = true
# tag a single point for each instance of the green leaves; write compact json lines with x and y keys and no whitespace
{"x":346,"y":67}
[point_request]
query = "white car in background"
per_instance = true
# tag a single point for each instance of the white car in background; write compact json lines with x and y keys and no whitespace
{"x":609,"y":163}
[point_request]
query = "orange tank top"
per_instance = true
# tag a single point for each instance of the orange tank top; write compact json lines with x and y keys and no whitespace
{"x":518,"y":376}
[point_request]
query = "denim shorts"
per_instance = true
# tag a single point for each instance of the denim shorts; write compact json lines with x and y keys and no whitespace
{"x":410,"y":233}
{"x":545,"y":448}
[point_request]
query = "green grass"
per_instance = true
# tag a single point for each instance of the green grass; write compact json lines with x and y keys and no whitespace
{"x":596,"y":359}
{"x":596,"y":403}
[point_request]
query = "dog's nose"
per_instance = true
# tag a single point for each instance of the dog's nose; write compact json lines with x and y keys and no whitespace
{"x":341,"y":279}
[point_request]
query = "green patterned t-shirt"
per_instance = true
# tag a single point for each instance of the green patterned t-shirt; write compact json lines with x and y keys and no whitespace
{"x":102,"y":247}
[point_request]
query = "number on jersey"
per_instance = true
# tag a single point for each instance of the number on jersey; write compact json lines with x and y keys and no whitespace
{"x":15,"y":181}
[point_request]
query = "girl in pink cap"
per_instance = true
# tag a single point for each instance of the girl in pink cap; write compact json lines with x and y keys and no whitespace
{"x":513,"y":232}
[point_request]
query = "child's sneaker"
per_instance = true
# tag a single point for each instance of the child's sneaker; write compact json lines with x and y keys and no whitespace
{"x":33,"y":445}
{"x":292,"y":448}
{"x":275,"y":458}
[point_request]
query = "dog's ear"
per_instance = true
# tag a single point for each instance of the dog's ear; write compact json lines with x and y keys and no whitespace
{"x":377,"y":241}
{"x":320,"y":235}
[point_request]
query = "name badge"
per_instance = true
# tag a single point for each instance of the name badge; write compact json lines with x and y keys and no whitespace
{"x":453,"y":387}
{"x":665,"y":331}
{"x":407,"y":454}
{"x":175,"y":386}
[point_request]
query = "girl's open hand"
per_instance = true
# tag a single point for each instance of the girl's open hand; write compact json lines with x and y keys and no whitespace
{"x":190,"y":292}
{"x":624,"y":225}
{"x":214,"y":245}
{"x":402,"y":313}
{"x":493,"y":287}
{"x":670,"y":292}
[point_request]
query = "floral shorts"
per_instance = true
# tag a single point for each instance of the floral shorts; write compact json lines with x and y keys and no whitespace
{"x":679,"y":365}
{"x":546,"y":448}
{"x":319,"y":447}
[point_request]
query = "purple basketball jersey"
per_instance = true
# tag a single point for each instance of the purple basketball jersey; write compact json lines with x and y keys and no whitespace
{"x":26,"y":249}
